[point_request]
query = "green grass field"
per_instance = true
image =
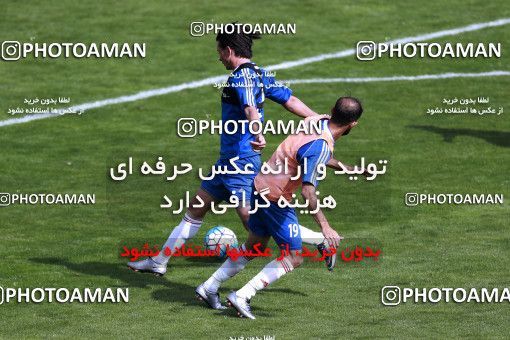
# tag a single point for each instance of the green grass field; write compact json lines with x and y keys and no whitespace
{"x":424,"y":246}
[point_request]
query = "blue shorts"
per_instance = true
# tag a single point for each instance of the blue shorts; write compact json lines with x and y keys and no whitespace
{"x":280,"y":223}
{"x":221,"y":185}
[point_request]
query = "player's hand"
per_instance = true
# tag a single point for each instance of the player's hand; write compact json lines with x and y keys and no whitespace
{"x":259,"y":143}
{"x":321,"y":116}
{"x":332,"y":237}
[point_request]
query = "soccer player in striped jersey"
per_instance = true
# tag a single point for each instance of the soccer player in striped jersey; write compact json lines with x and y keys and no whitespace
{"x":281,"y":223}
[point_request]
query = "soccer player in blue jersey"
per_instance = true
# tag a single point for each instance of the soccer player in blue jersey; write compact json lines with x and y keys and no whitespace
{"x":242,"y":99}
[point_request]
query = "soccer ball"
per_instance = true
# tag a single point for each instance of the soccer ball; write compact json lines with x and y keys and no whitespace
{"x":220,"y":236}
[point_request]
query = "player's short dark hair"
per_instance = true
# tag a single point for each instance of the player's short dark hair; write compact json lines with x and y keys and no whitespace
{"x":238,"y":41}
{"x":346,"y":110}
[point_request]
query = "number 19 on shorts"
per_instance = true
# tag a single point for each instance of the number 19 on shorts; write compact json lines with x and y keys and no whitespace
{"x":293,"y":229}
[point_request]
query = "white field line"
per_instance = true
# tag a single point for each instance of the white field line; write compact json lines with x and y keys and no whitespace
{"x":398,"y":78}
{"x":285,"y":65}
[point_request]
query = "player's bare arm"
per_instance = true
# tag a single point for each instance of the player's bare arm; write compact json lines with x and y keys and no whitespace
{"x":298,"y":108}
{"x":252,"y":114}
{"x":308,"y":193}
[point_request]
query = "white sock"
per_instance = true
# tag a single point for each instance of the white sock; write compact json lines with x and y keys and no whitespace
{"x":271,"y":272}
{"x":311,"y":237}
{"x":184,"y":231}
{"x":227,"y":270}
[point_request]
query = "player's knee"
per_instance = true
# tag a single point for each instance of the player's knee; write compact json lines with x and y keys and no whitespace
{"x":244,"y":215}
{"x":198,"y":213}
{"x":202,"y":200}
{"x":254,"y":242}
{"x":296,"y":260}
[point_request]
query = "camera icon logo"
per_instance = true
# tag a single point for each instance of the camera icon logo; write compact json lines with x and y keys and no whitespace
{"x":390,"y":295}
{"x":187,"y":127}
{"x":197,"y":29}
{"x":5,"y":199}
{"x":411,"y":199}
{"x":11,"y":50}
{"x":365,"y":50}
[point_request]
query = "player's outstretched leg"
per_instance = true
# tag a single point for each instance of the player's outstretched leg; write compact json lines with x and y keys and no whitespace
{"x":157,"y":265}
{"x":240,"y":300}
{"x":208,"y":291}
{"x":317,"y":239}
{"x":186,"y":229}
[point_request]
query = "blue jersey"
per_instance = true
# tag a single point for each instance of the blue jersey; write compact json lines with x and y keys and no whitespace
{"x":315,"y":152}
{"x":248,"y":85}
